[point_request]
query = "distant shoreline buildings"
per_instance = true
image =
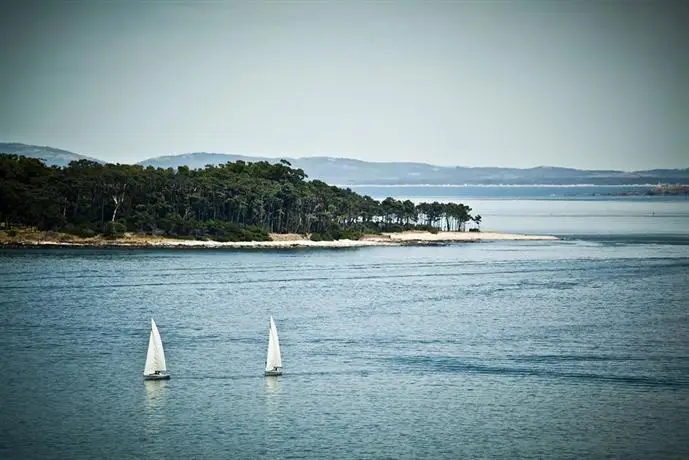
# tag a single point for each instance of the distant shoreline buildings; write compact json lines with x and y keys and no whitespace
{"x":669,"y":189}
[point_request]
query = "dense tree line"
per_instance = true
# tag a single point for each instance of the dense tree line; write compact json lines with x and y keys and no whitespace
{"x":234,"y":201}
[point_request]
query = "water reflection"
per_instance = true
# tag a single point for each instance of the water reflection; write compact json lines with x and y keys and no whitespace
{"x":273,"y":425}
{"x":272,"y":385}
{"x":155,"y":394}
{"x":154,"y":413}
{"x":272,"y":399}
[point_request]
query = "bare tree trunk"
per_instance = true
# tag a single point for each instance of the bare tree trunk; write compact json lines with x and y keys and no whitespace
{"x":117,"y":201}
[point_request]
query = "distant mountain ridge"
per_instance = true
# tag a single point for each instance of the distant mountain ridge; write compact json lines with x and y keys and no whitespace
{"x":345,"y":171}
{"x":49,"y":155}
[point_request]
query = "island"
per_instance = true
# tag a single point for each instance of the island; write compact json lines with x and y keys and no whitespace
{"x":237,"y":204}
{"x":660,"y":189}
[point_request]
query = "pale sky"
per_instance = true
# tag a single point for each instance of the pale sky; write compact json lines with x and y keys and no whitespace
{"x":585,"y":84}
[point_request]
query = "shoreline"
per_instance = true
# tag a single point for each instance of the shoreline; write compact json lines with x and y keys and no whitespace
{"x":278,"y":241}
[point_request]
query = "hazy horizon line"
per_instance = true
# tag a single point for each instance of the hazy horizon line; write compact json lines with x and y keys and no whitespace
{"x":260,"y":156}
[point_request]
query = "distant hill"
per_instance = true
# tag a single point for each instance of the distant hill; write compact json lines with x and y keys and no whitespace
{"x":199,"y":160}
{"x":50,"y":156}
{"x":344,"y":171}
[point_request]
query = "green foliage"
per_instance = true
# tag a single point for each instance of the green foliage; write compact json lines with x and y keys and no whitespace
{"x":55,"y":236}
{"x":82,"y":231}
{"x":325,"y":236}
{"x":232,"y":202}
{"x":224,"y":231}
{"x":114,"y":229}
{"x":351,"y":235}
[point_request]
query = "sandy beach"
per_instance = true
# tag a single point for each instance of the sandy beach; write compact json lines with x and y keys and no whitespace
{"x":408,"y":238}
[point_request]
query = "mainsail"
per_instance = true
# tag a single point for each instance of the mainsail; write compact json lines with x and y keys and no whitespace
{"x":273,"y":360}
{"x":155,"y":358}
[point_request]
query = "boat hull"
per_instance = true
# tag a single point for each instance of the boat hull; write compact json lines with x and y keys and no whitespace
{"x":157,"y":377}
{"x":273,"y":373}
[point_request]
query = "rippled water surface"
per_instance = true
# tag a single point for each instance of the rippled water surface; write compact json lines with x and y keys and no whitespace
{"x":564,"y":349}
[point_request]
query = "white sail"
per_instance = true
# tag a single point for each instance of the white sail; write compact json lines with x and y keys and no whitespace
{"x":273,"y":360}
{"x":155,"y":358}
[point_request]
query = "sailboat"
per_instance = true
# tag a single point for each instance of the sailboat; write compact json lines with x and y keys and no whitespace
{"x":155,"y":368}
{"x":273,"y":359}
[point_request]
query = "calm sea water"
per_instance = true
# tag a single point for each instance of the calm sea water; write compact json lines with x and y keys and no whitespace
{"x":567,"y":349}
